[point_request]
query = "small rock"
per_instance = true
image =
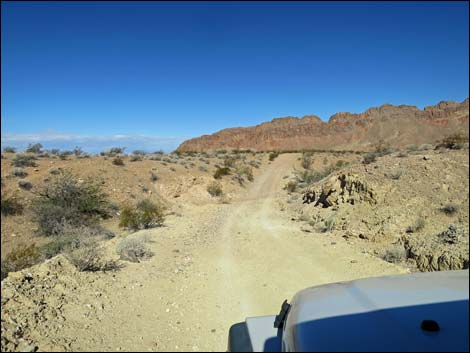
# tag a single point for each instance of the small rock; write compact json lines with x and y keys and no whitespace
{"x":353,"y":261}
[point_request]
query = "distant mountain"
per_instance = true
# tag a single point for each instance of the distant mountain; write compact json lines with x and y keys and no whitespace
{"x":397,"y":126}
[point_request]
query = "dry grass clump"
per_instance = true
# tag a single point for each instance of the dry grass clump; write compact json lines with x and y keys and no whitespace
{"x":416,"y":226}
{"x":89,"y":256}
{"x":395,"y":254}
{"x":21,"y":257}
{"x":18,"y":172}
{"x":134,"y":249}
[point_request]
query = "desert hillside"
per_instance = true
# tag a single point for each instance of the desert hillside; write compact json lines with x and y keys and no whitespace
{"x":240,"y":232}
{"x":397,"y":126}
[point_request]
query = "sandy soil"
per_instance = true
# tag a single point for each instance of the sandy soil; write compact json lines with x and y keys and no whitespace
{"x":214,"y":265}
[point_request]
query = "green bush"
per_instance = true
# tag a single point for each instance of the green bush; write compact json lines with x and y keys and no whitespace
{"x":24,"y":160}
{"x":66,"y":200}
{"x":220,"y":172}
{"x":145,"y":214}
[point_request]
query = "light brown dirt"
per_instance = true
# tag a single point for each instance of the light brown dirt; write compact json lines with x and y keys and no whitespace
{"x":214,"y":265}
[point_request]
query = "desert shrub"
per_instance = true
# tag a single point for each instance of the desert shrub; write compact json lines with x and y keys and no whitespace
{"x":416,"y":226}
{"x":454,"y":142}
{"x":66,"y":200}
{"x":118,"y":161}
{"x":21,"y":257}
{"x":215,"y":189}
{"x":369,"y":158}
{"x":242,"y":171}
{"x":70,"y":238}
{"x":153,"y":176}
{"x":395,"y":254}
{"x":291,"y":186}
{"x":230,"y":161}
{"x":340,"y":164}
{"x":19,"y":172}
{"x":154,"y":157}
{"x":133,"y":249}
{"x":326,"y":226}
{"x":273,"y":156}
{"x":425,"y":147}
{"x":55,"y":170}
{"x":203,"y":169}
{"x":307,"y":161}
{"x":89,"y":257}
{"x":145,"y":214}
{"x":34,"y":148}
{"x":402,"y":154}
{"x":114,"y":151}
{"x":24,"y":160}
{"x":11,"y":205}
{"x":9,"y":149}
{"x":395,"y":175}
{"x":330,"y":224}
{"x":449,"y":209}
{"x":55,"y":151}
{"x":25,"y":184}
{"x":220,"y":172}
{"x":412,"y":148}
{"x":135,"y":158}
{"x":139,"y":152}
{"x":310,"y":176}
{"x":382,"y":149}
{"x":77,"y":151}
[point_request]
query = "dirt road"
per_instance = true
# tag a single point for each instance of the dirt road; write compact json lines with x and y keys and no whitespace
{"x":214,"y":265}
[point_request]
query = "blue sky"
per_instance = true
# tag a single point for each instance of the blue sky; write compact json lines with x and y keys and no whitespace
{"x":161,"y":72}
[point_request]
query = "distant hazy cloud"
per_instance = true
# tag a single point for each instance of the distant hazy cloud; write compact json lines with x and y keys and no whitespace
{"x":91,"y":144}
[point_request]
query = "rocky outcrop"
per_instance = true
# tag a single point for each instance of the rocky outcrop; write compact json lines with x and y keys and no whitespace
{"x":395,"y":125}
{"x":445,"y":251}
{"x":345,"y":188}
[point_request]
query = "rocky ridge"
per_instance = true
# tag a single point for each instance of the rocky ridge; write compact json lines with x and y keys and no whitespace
{"x":396,"y":126}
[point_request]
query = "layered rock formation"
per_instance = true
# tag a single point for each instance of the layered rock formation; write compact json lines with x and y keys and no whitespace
{"x":396,"y":126}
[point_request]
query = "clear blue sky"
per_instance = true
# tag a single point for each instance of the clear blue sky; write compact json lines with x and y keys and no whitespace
{"x":177,"y":70}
